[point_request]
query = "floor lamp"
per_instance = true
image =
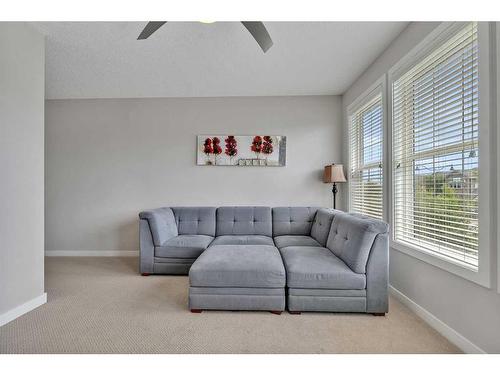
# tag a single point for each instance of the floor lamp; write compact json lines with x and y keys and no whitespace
{"x":334,"y":173}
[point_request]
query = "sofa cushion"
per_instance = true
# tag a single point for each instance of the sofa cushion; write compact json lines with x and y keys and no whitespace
{"x":322,"y":224}
{"x":243,"y":240}
{"x":161,"y":223}
{"x":184,"y":246}
{"x":293,"y":220}
{"x":318,"y":268}
{"x":244,"y":221}
{"x":242,"y":266}
{"x":351,"y":238}
{"x":284,"y":241}
{"x":195,"y":220}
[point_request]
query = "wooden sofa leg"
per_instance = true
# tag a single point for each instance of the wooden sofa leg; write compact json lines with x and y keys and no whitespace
{"x":295,"y":312}
{"x":275,"y":312}
{"x":145,"y":274}
{"x":378,"y":314}
{"x":197,"y":311}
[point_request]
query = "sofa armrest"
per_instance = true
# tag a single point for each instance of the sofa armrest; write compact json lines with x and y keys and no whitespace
{"x":377,"y":276}
{"x":161,"y":223}
{"x":147,"y":247}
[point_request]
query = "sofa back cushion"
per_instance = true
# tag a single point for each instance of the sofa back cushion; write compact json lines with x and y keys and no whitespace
{"x":161,"y":223}
{"x":244,"y":221}
{"x":322,"y":224}
{"x":351,"y":238}
{"x":195,"y":220}
{"x":293,"y":220}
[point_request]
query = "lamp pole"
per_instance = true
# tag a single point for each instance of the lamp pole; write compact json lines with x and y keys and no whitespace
{"x":334,"y":191}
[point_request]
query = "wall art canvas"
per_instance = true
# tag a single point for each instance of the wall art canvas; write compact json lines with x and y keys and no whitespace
{"x":242,"y":150}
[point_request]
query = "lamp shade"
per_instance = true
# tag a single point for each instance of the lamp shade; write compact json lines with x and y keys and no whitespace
{"x":334,"y":173}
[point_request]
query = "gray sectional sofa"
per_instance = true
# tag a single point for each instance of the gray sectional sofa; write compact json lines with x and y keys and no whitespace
{"x":262,"y":258}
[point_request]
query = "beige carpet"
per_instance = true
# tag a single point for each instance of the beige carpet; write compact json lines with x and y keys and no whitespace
{"x":102,"y":305}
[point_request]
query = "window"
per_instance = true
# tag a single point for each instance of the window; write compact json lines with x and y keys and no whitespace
{"x":435,"y":145}
{"x":366,"y":153}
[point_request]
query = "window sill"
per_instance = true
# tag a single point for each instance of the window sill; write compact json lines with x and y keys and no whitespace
{"x":445,"y":264}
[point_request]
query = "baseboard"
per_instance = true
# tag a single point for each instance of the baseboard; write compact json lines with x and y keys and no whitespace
{"x":16,"y":312}
{"x":92,"y":253}
{"x":453,"y":336}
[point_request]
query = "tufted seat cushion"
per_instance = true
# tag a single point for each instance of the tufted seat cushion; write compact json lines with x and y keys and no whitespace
{"x":285,"y":241}
{"x":243,"y":266}
{"x":293,"y":220}
{"x":351,"y":238}
{"x":185,"y":246}
{"x":243,"y":240}
{"x":244,"y":221}
{"x":318,"y":268}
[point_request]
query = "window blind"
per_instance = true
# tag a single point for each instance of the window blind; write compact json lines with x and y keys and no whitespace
{"x":365,"y":134}
{"x":435,"y":151}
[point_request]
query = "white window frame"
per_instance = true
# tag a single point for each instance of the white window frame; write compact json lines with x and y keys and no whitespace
{"x":379,"y":87}
{"x":486,"y":237}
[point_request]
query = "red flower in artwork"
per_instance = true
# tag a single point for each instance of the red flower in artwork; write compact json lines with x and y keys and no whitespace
{"x":231,"y":144}
{"x":217,"y":149}
{"x":207,"y":146}
{"x":267,"y":146}
{"x":256,"y":145}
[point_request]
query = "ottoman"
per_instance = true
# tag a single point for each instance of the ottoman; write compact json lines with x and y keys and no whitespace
{"x":238,"y":277}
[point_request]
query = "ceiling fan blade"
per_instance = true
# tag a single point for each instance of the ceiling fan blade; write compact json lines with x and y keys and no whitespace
{"x":260,"y":34}
{"x":150,"y":28}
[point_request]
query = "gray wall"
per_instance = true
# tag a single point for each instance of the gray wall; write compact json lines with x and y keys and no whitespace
{"x":108,"y":159}
{"x":470,"y":309}
{"x":21,"y":166}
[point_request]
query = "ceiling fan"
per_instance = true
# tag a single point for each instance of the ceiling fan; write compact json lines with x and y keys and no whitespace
{"x":257,"y":29}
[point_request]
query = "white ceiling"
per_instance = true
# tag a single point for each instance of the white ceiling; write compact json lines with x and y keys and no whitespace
{"x":191,"y":59}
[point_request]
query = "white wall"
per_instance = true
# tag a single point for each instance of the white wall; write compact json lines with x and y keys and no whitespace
{"x":21,"y":169}
{"x":471,"y":310}
{"x":108,"y":159}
